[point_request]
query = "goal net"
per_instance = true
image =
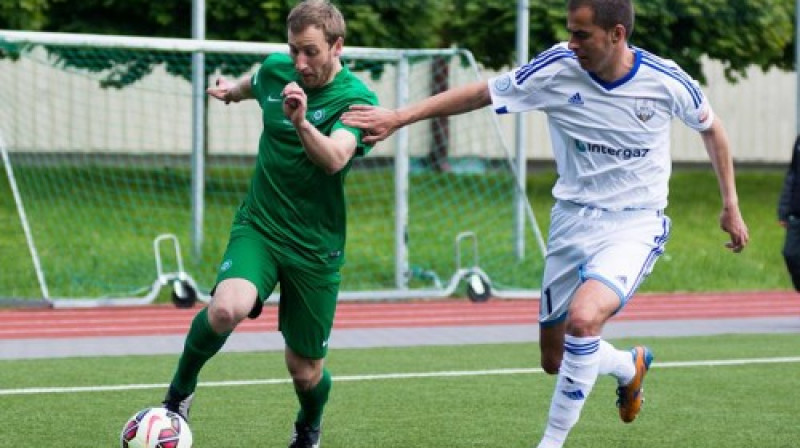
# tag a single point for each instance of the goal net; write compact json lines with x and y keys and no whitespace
{"x":120,"y":177}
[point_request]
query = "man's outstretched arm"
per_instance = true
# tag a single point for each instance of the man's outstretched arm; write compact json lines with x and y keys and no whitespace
{"x":715,"y":140}
{"x":229,"y":92}
{"x":379,"y":123}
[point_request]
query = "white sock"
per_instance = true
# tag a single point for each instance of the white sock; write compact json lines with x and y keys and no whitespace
{"x":617,"y":363}
{"x":576,"y":377}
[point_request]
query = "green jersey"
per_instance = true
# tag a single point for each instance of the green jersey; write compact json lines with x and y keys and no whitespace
{"x":293,"y":202}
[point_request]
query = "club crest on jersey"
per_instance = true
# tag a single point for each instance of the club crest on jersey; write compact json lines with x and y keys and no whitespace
{"x":502,"y":83}
{"x":318,"y":115}
{"x":644,"y":108}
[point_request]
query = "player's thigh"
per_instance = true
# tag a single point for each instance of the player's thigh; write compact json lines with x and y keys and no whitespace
{"x":617,"y":249}
{"x":561,"y":280}
{"x":627,"y":256}
{"x":250,"y":258}
{"x":569,"y":243}
{"x":592,"y":305}
{"x":307,"y":308}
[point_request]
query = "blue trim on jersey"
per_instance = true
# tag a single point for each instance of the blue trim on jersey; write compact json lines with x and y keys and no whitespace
{"x":658,"y":64}
{"x":542,"y":60}
{"x":620,"y":293}
{"x":501,"y":110}
{"x":637,"y":61}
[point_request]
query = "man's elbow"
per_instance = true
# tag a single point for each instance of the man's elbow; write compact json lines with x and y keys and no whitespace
{"x":330,"y":170}
{"x":334,"y":165}
{"x":338,"y":159}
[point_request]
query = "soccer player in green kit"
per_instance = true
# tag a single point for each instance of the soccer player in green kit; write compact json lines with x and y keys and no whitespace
{"x":290,"y":228}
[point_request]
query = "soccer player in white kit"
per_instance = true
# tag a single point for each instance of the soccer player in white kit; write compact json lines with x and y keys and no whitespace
{"x":609,"y":106}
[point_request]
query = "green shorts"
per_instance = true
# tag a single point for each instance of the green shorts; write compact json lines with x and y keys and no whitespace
{"x":307,"y":293}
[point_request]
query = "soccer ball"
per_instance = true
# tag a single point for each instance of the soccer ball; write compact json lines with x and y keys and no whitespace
{"x":156,"y":428}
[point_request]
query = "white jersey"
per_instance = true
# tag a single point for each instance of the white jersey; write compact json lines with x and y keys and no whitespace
{"x":610,"y":140}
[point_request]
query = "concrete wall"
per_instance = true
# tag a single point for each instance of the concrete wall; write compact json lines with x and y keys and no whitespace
{"x":46,"y":109}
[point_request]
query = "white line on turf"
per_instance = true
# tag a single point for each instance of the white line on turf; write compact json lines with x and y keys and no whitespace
{"x":382,"y":376}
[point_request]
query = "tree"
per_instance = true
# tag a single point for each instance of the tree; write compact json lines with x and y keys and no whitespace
{"x":373,"y":23}
{"x":22,"y":14}
{"x":738,"y":33}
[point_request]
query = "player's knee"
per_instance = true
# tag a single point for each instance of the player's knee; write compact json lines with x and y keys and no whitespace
{"x":303,"y":382}
{"x":222,"y":318}
{"x":305,"y":372}
{"x":583,"y":325}
{"x":304,"y":378}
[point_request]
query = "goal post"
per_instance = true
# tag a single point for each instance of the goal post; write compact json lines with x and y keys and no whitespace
{"x":101,"y":164}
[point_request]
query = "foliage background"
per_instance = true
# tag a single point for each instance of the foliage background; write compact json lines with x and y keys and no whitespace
{"x":738,"y":33}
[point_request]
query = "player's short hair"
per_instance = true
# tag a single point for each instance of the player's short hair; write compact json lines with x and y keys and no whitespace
{"x":318,"y":13}
{"x":608,"y":13}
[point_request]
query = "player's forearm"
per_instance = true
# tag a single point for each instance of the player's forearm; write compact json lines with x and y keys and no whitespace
{"x":450,"y":102}
{"x":241,"y":90}
{"x":326,"y":152}
{"x":716,"y":143}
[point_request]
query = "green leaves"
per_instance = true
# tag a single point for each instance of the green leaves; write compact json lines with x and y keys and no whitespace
{"x":739,"y":33}
{"x":22,"y":14}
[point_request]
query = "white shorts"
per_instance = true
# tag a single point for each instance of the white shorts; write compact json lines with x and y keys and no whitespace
{"x":618,"y":248}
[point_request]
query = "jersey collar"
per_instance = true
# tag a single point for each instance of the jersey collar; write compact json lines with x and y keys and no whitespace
{"x":637,"y":60}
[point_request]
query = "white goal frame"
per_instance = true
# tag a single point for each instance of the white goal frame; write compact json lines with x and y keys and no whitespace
{"x":400,"y":57}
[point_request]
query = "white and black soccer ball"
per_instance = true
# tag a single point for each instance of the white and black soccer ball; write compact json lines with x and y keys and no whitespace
{"x":156,"y":428}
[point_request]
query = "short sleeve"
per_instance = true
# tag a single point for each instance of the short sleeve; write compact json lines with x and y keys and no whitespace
{"x":526,"y":87}
{"x":362,"y":148}
{"x":692,"y":106}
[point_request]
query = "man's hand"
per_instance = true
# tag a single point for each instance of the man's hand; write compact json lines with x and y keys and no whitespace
{"x":730,"y":220}
{"x":378,"y":123}
{"x":295,"y":103}
{"x":224,"y":90}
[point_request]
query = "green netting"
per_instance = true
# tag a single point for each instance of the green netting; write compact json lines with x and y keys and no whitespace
{"x":100,"y":143}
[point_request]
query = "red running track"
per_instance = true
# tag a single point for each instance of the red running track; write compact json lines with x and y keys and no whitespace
{"x":167,"y":320}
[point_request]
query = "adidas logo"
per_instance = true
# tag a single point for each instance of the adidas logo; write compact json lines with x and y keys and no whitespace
{"x":575,"y":99}
{"x":576,"y":395}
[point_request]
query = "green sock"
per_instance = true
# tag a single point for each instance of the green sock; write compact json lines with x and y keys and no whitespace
{"x":312,"y":402}
{"x":201,"y":344}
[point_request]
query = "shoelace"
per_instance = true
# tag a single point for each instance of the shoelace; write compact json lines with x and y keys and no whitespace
{"x":621,"y":395}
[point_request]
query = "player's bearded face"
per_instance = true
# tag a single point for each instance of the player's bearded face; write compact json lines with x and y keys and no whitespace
{"x":315,"y":60}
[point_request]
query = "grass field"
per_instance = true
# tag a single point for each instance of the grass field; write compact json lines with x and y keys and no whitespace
{"x":94,"y":227}
{"x":455,"y":396}
{"x":694,"y":260}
